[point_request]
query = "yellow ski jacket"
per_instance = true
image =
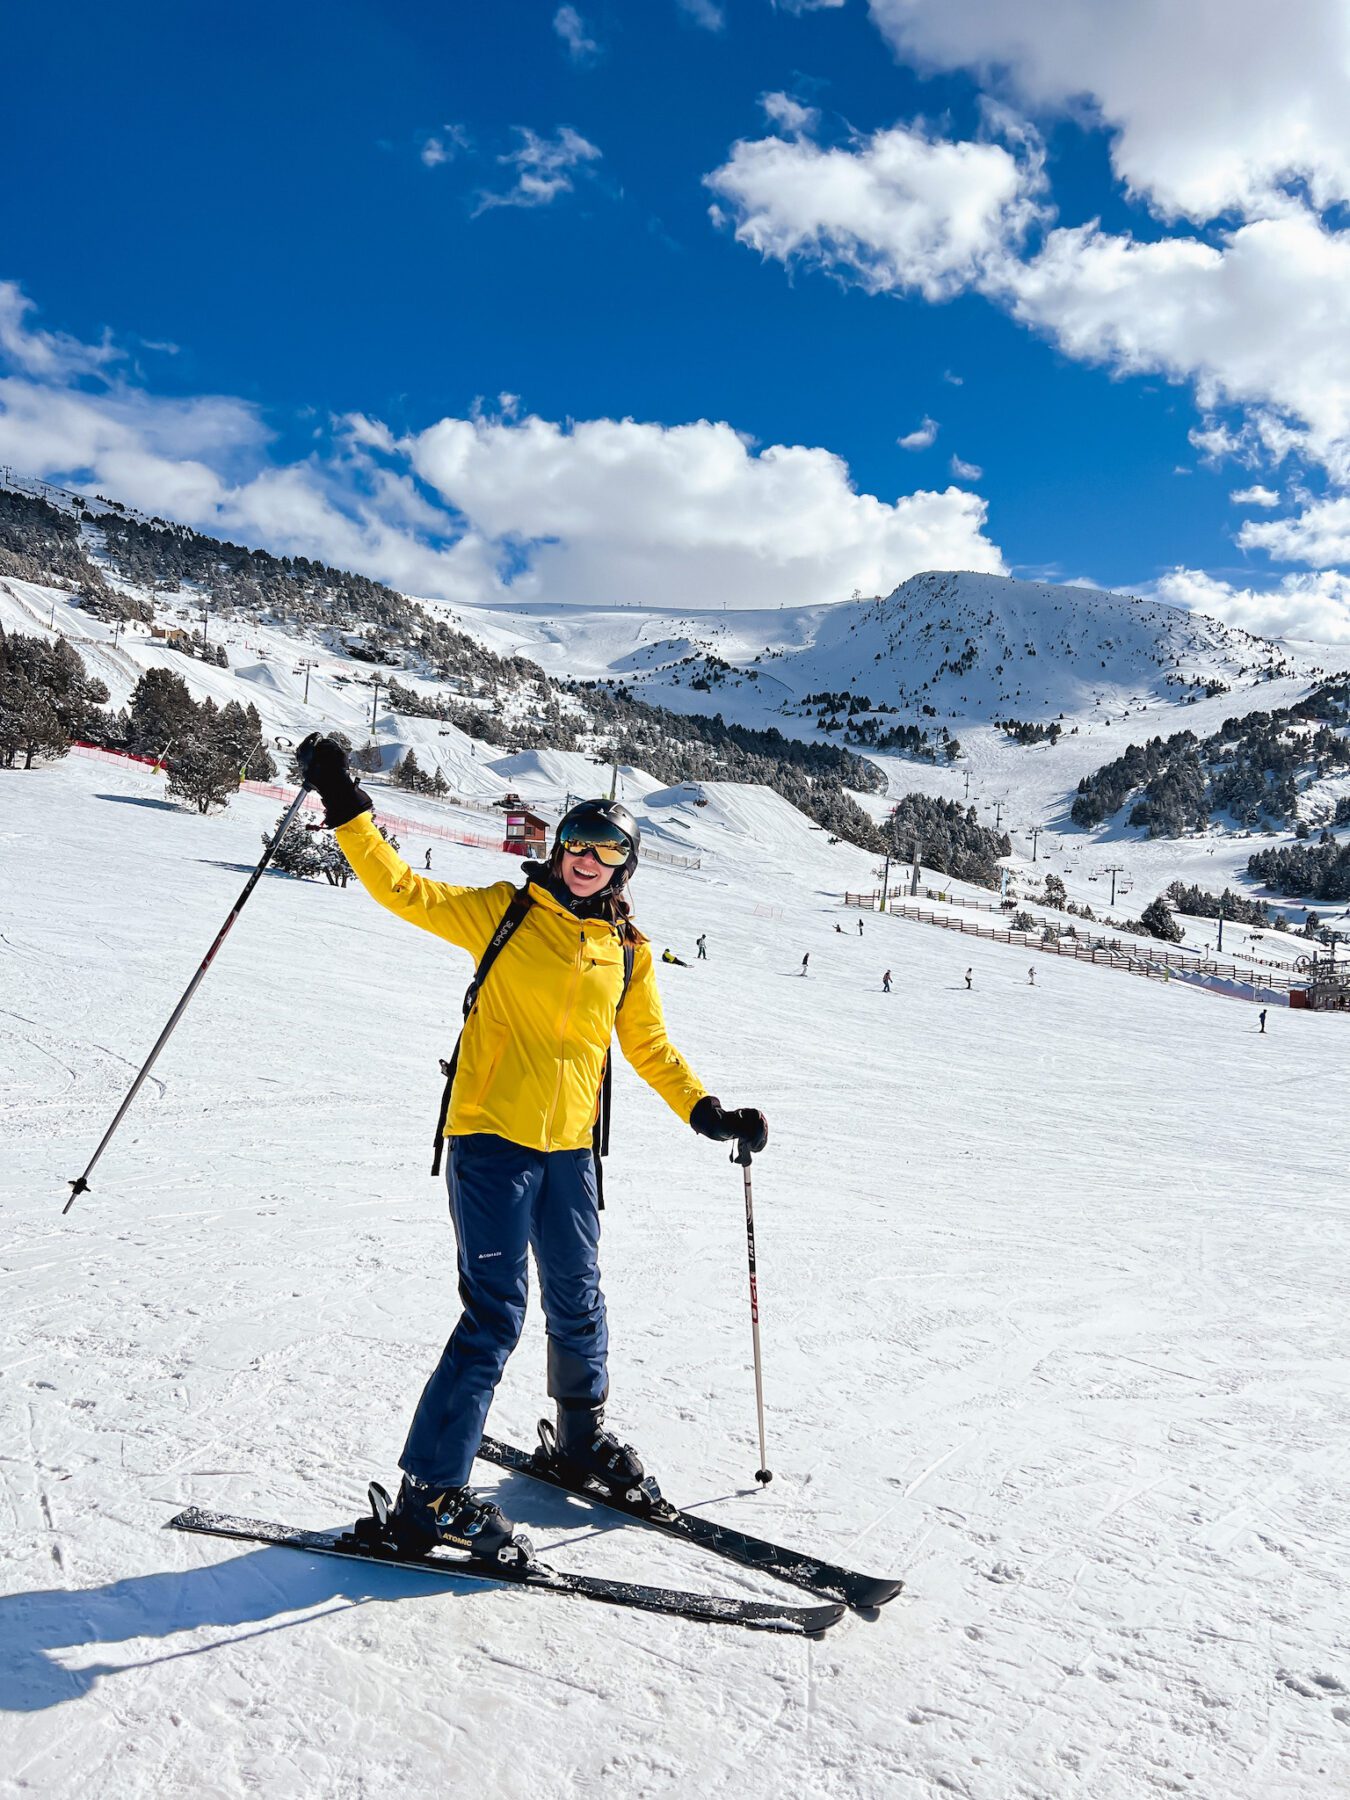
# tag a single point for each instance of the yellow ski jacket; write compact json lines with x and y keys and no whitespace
{"x":534,"y":1048}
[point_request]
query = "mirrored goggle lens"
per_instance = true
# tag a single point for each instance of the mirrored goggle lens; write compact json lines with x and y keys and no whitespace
{"x":607,"y":844}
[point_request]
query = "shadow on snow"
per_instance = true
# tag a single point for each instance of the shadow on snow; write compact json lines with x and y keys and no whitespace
{"x":140,"y":800}
{"x":251,"y":1589}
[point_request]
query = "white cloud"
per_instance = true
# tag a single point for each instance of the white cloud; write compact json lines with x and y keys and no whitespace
{"x":544,"y":168}
{"x":898,"y":211}
{"x":444,"y":146}
{"x":575,"y":34}
{"x":789,"y":114}
{"x":619,"y":509}
{"x":1256,"y":321}
{"x":1315,"y":607}
{"x":953,"y":380}
{"x":965,"y":471}
{"x":364,"y":433}
{"x":706,"y":13}
{"x":798,"y":7}
{"x":1319,"y":535}
{"x":1214,"y":106}
{"x":476,"y":509}
{"x":1254,"y":496}
{"x":46,"y":354}
{"x":922,"y":438}
{"x":1259,"y":320}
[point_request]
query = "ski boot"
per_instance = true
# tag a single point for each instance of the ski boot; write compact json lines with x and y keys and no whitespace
{"x":584,"y":1453}
{"x":426,"y":1516}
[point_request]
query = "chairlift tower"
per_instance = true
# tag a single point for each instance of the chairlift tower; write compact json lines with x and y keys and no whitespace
{"x":1113,"y":869}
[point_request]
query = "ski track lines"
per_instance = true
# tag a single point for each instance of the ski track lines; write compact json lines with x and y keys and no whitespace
{"x":1053,"y":1319}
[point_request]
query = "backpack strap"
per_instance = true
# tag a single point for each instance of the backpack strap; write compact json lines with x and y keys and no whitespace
{"x":516,"y":909}
{"x":600,"y":1134}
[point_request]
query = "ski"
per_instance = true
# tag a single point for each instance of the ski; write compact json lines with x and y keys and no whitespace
{"x":755,"y":1615}
{"x":810,"y":1572}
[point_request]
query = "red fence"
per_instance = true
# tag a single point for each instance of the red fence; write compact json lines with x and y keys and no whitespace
{"x":99,"y":754}
{"x":269,"y":790}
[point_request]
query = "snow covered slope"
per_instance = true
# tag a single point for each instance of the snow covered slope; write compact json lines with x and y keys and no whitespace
{"x":948,"y":651}
{"x":985,"y":646}
{"x":973,"y":646}
{"x":1052,"y":1327}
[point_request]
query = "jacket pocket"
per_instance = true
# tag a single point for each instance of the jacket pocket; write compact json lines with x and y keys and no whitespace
{"x":602,"y":987}
{"x":486,"y":1049}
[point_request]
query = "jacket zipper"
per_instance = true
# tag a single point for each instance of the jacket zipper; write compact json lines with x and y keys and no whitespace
{"x":562,"y":1035}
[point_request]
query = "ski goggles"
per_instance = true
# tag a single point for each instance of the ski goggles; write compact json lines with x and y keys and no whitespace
{"x":606,"y":843}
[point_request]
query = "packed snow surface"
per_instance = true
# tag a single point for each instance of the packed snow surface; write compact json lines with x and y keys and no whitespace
{"x":1053,"y":1300}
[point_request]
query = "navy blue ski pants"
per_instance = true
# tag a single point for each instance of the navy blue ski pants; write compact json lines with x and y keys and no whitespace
{"x":504,"y":1201}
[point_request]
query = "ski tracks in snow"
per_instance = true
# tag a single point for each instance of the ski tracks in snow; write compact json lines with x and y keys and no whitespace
{"x":1061,"y":1343}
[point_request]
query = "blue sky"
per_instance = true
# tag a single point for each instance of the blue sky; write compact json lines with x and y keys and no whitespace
{"x":276,"y":279}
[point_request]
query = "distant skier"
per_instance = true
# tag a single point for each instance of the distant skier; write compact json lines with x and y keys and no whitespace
{"x":428,"y":861}
{"x":702,"y":943}
{"x":805,"y":960}
{"x":670,"y":957}
{"x":1262,"y":1017}
{"x":520,"y":1115}
{"x":860,"y":926}
{"x":970,"y":975}
{"x":1031,"y":976}
{"x":886,"y":982}
{"x":839,"y":928}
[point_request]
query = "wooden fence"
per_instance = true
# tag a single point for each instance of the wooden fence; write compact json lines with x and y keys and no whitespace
{"x":1179,"y":962}
{"x":1156,"y":965}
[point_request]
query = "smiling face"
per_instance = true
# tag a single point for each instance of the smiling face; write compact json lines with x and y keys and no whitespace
{"x":584,"y":875}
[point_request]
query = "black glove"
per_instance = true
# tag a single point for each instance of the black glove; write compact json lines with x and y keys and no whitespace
{"x":710,"y":1120}
{"x":323,"y":767}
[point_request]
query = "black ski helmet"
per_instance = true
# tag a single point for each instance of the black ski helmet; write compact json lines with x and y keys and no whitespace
{"x":608,"y":812}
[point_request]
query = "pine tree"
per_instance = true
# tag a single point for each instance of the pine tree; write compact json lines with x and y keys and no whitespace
{"x":1160,"y":921}
{"x":203,"y":772}
{"x":408,"y":774}
{"x":29,"y":725}
{"x":242,"y":731}
{"x":46,"y":698}
{"x":162,"y":711}
{"x":330,"y":861}
{"x":298,"y":853}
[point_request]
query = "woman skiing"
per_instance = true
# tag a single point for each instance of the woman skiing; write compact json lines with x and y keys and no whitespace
{"x":521,"y":1119}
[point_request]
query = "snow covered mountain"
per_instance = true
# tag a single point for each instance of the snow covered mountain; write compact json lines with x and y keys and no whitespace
{"x":984,"y":646}
{"x":911,"y":692}
{"x":972,"y":647}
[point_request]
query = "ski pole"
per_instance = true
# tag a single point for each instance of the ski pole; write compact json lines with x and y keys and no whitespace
{"x":81,"y":1184}
{"x":742,"y":1156}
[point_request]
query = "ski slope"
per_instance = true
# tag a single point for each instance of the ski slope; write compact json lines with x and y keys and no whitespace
{"x":299,"y":687}
{"x":1053,"y":1320}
